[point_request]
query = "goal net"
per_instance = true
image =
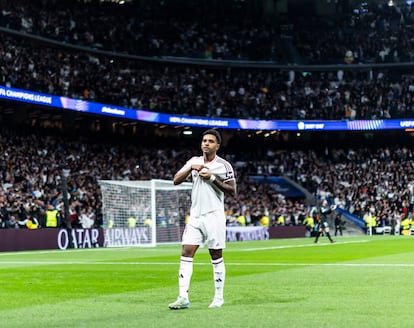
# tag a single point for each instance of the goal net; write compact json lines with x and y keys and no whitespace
{"x":143,"y":213}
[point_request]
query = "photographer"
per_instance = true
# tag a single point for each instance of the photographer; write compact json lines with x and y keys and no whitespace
{"x":338,"y":224}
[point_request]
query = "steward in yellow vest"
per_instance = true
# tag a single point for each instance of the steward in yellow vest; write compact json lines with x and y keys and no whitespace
{"x":52,"y":217}
{"x":405,"y":224}
{"x":309,"y":222}
{"x":132,"y":222}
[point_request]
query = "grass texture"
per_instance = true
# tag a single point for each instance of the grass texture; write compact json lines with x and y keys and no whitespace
{"x":360,"y":281}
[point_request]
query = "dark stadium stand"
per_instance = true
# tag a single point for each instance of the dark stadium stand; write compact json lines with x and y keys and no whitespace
{"x":243,"y":66}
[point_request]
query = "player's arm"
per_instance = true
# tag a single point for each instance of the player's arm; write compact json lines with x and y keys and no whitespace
{"x":330,"y":209}
{"x":182,"y":175}
{"x":185,"y":171}
{"x":325,"y":210}
{"x":229,"y":187}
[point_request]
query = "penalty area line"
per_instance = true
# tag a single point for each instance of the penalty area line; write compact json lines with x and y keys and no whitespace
{"x":302,"y":245}
{"x":209,"y":264}
{"x":328,"y":264}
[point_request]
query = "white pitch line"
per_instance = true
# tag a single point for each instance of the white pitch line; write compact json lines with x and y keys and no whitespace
{"x":54,"y":251}
{"x":209,"y":264}
{"x":155,"y":249}
{"x":303,"y":245}
{"x":329,"y":264}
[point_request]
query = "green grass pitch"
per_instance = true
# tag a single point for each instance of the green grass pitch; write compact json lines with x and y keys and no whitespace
{"x":358,"y":282}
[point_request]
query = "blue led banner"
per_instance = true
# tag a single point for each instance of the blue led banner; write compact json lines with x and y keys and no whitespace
{"x":153,"y":117}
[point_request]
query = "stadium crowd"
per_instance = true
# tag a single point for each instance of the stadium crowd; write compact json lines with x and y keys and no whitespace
{"x":197,"y":90}
{"x":370,"y":33}
{"x":364,"y":33}
{"x":204,"y":91}
{"x":151,"y":29}
{"x":32,"y":162}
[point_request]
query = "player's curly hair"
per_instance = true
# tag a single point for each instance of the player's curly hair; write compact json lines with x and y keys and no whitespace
{"x":214,"y":133}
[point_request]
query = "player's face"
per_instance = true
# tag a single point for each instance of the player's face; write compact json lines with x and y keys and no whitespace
{"x":209,"y":144}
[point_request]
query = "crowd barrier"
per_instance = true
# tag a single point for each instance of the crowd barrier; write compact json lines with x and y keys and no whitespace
{"x":263,"y":233}
{"x":43,"y":239}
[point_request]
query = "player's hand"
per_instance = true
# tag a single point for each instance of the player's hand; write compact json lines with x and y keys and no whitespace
{"x":204,"y":173}
{"x":197,"y":167}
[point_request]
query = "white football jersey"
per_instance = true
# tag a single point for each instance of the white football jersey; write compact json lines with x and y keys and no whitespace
{"x":205,"y":196}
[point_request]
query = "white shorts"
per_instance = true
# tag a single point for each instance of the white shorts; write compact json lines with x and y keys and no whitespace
{"x":207,"y":229}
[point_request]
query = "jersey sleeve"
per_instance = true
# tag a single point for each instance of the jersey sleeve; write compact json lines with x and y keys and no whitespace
{"x":229,"y":173}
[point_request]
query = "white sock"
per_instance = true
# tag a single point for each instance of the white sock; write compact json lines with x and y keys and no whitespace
{"x":219,"y":276}
{"x":184,"y":275}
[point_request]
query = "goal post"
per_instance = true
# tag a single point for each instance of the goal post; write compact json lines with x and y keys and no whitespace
{"x":143,"y":213}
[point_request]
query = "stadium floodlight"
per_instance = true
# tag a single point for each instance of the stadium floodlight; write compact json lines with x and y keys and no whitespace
{"x":143,"y":213}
